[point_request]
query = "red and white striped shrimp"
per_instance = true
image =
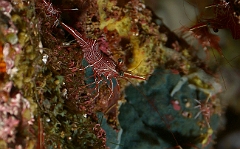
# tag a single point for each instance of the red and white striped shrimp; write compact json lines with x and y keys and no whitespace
{"x":205,"y":109}
{"x":103,"y":66}
{"x":50,"y":10}
{"x":51,"y":13}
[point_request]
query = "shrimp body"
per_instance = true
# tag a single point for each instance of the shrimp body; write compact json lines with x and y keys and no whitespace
{"x":102,"y":65}
{"x":104,"y":68}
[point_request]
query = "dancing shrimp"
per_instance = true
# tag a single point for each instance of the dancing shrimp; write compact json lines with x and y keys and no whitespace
{"x":103,"y":66}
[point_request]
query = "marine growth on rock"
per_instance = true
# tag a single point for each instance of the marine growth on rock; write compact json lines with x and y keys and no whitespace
{"x":102,"y":74}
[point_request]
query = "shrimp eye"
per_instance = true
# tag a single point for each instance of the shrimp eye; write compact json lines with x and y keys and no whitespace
{"x":121,"y":73}
{"x":120,"y":61}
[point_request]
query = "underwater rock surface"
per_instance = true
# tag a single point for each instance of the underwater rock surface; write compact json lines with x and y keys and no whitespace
{"x":46,"y":91}
{"x":150,"y":120}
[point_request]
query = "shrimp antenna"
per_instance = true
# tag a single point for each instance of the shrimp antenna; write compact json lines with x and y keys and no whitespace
{"x":110,"y":108}
{"x":224,"y":83}
{"x":73,"y":9}
{"x":136,"y":67}
{"x":234,"y":58}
